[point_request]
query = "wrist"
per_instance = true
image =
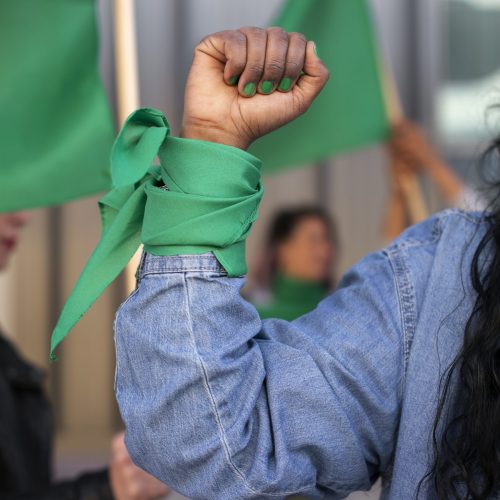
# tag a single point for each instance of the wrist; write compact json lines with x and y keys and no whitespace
{"x":212,"y":134}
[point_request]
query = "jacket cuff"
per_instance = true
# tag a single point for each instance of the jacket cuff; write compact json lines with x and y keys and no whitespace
{"x":202,"y":263}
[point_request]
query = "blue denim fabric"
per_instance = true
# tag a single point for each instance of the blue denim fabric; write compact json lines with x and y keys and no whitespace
{"x":221,"y":405}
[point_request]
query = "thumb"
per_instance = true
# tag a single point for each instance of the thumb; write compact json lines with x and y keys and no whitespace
{"x":315,"y":76}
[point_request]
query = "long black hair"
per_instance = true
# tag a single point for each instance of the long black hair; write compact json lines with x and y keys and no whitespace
{"x":466,"y":462}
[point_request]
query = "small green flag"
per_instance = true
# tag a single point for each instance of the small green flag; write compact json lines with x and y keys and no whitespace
{"x":56,"y":128}
{"x":350,"y":112}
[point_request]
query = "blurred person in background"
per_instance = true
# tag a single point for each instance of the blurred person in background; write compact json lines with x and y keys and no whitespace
{"x":298,"y":267}
{"x":26,"y":427}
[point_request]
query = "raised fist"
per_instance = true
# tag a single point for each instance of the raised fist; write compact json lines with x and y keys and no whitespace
{"x":246,"y":83}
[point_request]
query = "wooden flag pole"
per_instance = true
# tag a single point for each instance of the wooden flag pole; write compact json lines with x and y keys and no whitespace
{"x":395,"y":221}
{"x":415,"y":203}
{"x":127,"y":78}
{"x":391,"y":96}
{"x":396,"y":217}
{"x":127,"y":85}
{"x":410,"y":197}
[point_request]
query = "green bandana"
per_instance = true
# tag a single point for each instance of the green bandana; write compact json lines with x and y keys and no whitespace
{"x":202,"y":197}
{"x":292,"y":298}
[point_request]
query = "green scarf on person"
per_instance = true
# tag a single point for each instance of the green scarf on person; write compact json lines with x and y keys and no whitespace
{"x":292,"y":298}
{"x":202,"y":197}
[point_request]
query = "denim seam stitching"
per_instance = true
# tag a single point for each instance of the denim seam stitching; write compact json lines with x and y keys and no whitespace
{"x":140,"y":267}
{"x":401,"y":315}
{"x":411,"y":242}
{"x":183,"y":270}
{"x":155,"y":264}
{"x":406,"y":299}
{"x":218,"y":419}
{"x":406,"y":290}
{"x":115,"y":331}
{"x":208,"y":388}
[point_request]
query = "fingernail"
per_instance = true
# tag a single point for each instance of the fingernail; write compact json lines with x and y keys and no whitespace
{"x":316,"y":50}
{"x":285,"y":84}
{"x":249,"y":89}
{"x":266,"y":87}
{"x":233,"y":80}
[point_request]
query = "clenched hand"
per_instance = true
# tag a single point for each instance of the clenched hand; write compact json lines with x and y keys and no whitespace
{"x":246,"y":83}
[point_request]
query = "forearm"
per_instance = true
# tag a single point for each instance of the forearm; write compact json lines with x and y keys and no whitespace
{"x":191,"y":384}
{"x":218,"y":404}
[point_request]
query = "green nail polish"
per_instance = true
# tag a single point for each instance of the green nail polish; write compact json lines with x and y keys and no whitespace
{"x":249,"y":89}
{"x":285,"y":84}
{"x":266,"y":87}
{"x":233,"y":80}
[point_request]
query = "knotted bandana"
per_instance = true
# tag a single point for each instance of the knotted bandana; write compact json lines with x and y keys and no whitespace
{"x":202,"y":197}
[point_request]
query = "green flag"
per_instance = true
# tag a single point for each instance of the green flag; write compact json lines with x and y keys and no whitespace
{"x":350,"y":111}
{"x":56,"y":129}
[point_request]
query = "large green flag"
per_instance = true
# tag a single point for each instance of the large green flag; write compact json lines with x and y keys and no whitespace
{"x":350,"y":112}
{"x":56,"y":129}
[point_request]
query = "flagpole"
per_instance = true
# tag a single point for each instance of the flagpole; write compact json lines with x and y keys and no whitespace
{"x":411,"y":198}
{"x":127,"y":79}
{"x":127,"y":86}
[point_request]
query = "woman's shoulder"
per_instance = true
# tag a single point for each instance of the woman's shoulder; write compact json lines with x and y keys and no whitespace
{"x":446,"y":236}
{"x":434,"y":258}
{"x":447,"y":241}
{"x":456,"y":225}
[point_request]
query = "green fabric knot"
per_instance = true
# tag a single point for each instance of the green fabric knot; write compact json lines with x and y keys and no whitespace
{"x":202,"y":197}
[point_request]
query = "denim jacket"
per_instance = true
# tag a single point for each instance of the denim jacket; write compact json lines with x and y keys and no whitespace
{"x":221,"y":405}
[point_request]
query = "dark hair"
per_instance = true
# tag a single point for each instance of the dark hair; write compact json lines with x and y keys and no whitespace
{"x":281,"y":230}
{"x":467,"y":450}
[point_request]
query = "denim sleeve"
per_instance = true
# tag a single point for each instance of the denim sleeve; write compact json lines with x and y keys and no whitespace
{"x":221,"y":405}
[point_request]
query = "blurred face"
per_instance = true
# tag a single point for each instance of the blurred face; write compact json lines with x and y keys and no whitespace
{"x":10,"y":226}
{"x":308,"y":253}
